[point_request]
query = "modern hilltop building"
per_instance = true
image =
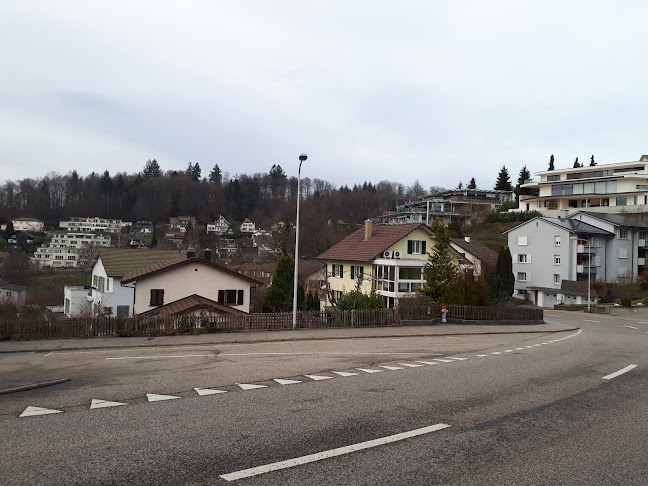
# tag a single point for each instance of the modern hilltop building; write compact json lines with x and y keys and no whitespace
{"x":607,"y":188}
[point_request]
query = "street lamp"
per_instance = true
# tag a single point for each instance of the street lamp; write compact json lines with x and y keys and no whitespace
{"x":302,"y":158}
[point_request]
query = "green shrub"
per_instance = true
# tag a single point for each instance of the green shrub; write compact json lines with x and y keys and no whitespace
{"x":625,"y":302}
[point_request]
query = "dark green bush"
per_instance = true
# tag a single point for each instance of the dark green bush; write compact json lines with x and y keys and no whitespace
{"x":625,"y":302}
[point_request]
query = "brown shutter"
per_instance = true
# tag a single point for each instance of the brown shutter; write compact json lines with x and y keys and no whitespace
{"x":239,"y":298}
{"x":221,"y":296}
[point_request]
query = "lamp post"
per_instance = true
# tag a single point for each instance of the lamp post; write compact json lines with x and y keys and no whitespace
{"x":302,"y":158}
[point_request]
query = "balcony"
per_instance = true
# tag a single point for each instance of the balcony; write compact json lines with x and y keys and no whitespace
{"x":641,"y":261}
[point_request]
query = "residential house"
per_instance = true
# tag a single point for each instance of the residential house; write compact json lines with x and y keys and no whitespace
{"x":220,"y":227}
{"x":96,"y":225}
{"x":386,"y":258}
{"x":482,"y":259}
{"x":181,"y":223}
{"x":68,"y":250}
{"x":13,"y":293}
{"x":247,"y":227}
{"x":143,"y":225}
{"x":606,"y":188}
{"x":191,"y":285}
{"x":452,"y":205}
{"x":28,"y":224}
{"x":106,"y":294}
{"x":313,"y":275}
{"x":20,"y":239}
{"x":587,"y":246}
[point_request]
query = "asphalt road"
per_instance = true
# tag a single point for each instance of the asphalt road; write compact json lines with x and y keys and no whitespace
{"x":492,"y":409}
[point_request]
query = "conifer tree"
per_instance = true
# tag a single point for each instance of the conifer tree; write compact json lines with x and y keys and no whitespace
{"x":439,"y":270}
{"x":472,"y":184}
{"x":592,"y":163}
{"x":503,"y":182}
{"x":280,"y":294}
{"x":502,"y":280}
{"x":551,"y":162}
{"x":576,"y":164}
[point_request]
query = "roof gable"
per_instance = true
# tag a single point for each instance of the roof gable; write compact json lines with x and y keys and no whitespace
{"x":161,"y":267}
{"x":119,"y":261}
{"x":355,"y":248}
{"x":188,"y":304}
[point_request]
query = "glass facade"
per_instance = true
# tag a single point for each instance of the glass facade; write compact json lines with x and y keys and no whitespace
{"x":603,"y":187}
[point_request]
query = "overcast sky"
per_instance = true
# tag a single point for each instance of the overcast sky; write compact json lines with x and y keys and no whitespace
{"x":439,"y":91}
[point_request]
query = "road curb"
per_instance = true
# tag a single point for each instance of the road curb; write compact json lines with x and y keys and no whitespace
{"x":286,"y":339}
{"x":33,"y":386}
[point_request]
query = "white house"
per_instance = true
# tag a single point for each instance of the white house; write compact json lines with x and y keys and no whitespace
{"x":96,"y":225}
{"x":191,"y":285}
{"x":13,"y":293}
{"x":247,"y":227}
{"x":220,"y":227}
{"x":28,"y":224}
{"x":68,"y":250}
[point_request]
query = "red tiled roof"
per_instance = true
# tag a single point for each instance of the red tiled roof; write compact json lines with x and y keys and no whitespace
{"x":119,"y":261}
{"x":189,"y":304}
{"x":355,"y":248}
{"x":144,"y":272}
{"x":487,"y":256}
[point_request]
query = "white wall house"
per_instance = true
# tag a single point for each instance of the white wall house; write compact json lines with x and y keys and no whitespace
{"x":96,"y":225}
{"x":220,"y":227}
{"x":28,"y":224}
{"x":68,"y":250}
{"x":606,"y":188}
{"x":247,"y":227}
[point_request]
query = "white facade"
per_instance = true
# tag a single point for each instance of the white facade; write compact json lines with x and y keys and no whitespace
{"x":96,"y":225}
{"x":247,"y":226}
{"x":66,"y":250}
{"x":220,"y":226}
{"x":605,"y":188}
{"x":28,"y":224}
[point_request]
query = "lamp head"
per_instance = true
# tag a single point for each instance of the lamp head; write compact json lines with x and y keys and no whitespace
{"x":303,"y":157}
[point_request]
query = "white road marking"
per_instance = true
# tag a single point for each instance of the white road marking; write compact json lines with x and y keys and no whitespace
{"x":508,"y":351}
{"x":367,"y":370}
{"x":528,"y":346}
{"x":249,"y":386}
{"x":169,"y":356}
{"x":620,"y":372}
{"x":588,"y":320}
{"x":427,"y":362}
{"x":496,"y":352}
{"x":481,"y":355}
{"x":208,"y":391}
{"x":552,"y":315}
{"x":104,"y":403}
{"x":287,"y":382}
{"x":443,"y":360}
{"x":631,"y":327}
{"x":410,"y":365}
{"x":319,"y":377}
{"x":519,"y":349}
{"x":345,"y":373}
{"x":152,"y":397}
{"x":298,"y":461}
{"x":391,"y":368}
{"x":458,"y":359}
{"x":31,"y":411}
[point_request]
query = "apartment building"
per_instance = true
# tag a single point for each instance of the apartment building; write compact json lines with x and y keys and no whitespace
{"x":68,"y":250}
{"x":95,"y":225}
{"x":608,"y":188}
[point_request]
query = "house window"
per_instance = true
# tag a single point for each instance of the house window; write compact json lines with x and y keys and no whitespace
{"x":557,"y":240}
{"x":357,"y":271}
{"x":230,"y":297}
{"x":335,"y":295}
{"x":337,"y":270}
{"x":524,"y":258}
{"x":522,"y":241}
{"x":621,"y":200}
{"x":122,"y":310}
{"x":157,"y":297}
{"x":556,"y":259}
{"x":416,"y":247}
{"x":522,"y":277}
{"x":556,"y":278}
{"x":623,"y":253}
{"x":623,"y":234}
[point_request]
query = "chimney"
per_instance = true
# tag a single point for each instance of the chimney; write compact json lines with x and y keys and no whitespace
{"x":208,"y":254}
{"x":467,"y":239}
{"x":368,"y":229}
{"x":191,"y":252}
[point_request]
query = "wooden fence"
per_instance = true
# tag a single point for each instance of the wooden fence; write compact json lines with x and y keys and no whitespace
{"x":134,"y":326}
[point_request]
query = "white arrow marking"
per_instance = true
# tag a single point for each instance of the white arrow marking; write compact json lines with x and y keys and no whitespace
{"x":29,"y":411}
{"x":208,"y":391}
{"x":410,"y":365}
{"x":247,"y":386}
{"x":286,"y":382}
{"x":345,"y":373}
{"x":152,"y":397}
{"x":391,"y":368}
{"x":369,"y":370}
{"x":104,"y":403}
{"x":319,"y":377}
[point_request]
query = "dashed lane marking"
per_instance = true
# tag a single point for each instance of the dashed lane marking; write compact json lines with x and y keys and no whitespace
{"x":410,"y":365}
{"x":152,"y":397}
{"x":391,"y":368}
{"x":443,"y":360}
{"x":298,"y":461}
{"x":631,"y":327}
{"x":345,"y":373}
{"x":589,"y":320}
{"x":31,"y":411}
{"x":620,"y":372}
{"x":369,"y":370}
{"x":481,"y":355}
{"x":287,"y":382}
{"x":457,"y":359}
{"x":208,"y":391}
{"x":249,"y":386}
{"x":319,"y":377}
{"x":428,"y":362}
{"x":104,"y":404}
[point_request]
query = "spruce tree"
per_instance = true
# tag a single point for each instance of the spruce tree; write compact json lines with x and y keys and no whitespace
{"x":502,"y":280}
{"x":280,"y":294}
{"x":551,"y":162}
{"x":592,"y":163}
{"x":503,"y":182}
{"x":439,"y":270}
{"x":576,"y":164}
{"x":472,"y":184}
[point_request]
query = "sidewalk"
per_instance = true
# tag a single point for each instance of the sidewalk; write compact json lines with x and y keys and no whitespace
{"x":242,"y":337}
